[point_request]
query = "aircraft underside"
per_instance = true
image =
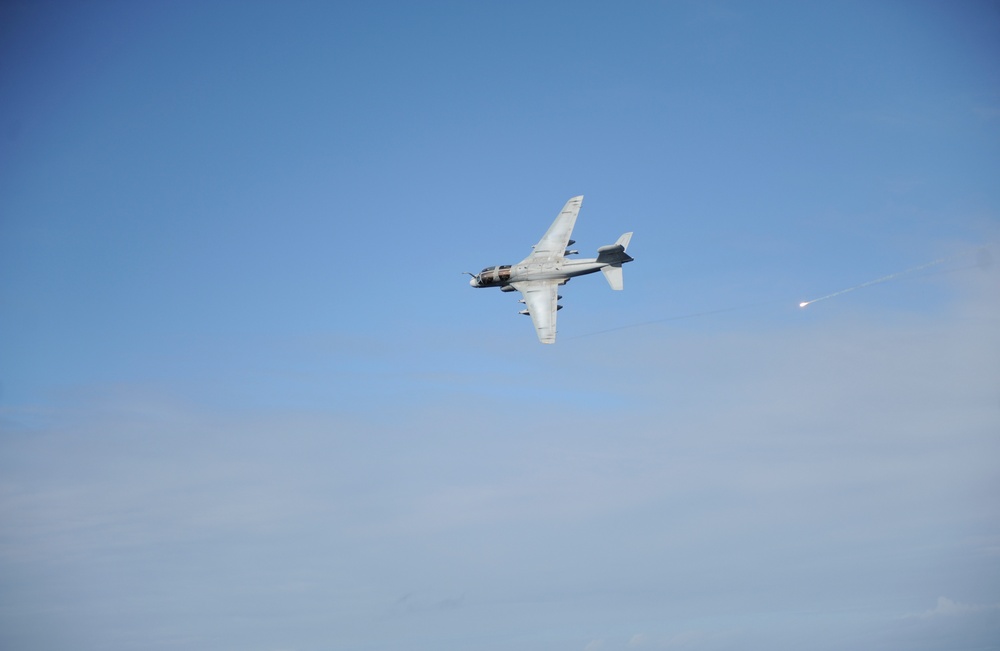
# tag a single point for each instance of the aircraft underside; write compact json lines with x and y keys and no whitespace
{"x":548,"y":267}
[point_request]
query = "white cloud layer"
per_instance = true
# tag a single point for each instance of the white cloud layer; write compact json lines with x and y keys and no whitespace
{"x":947,"y":608}
{"x":760,"y":486}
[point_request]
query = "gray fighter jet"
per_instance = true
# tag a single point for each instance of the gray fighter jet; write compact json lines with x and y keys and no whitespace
{"x":539,"y":275}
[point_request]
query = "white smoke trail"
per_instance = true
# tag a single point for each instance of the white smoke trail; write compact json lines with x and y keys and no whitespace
{"x":984,"y":260}
{"x":875,"y":282}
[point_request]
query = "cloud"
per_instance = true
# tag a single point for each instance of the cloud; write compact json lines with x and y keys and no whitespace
{"x":947,"y":608}
{"x":412,"y":604}
{"x":687,"y":639}
{"x":740,"y":470}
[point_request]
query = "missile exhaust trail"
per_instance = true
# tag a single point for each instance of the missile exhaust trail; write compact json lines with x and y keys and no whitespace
{"x":984,"y":260}
{"x":883,"y":279}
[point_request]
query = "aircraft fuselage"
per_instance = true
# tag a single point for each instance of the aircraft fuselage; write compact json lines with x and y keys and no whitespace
{"x":561,"y":270}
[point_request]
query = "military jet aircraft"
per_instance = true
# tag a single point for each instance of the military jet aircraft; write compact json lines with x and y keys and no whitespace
{"x":539,"y":275}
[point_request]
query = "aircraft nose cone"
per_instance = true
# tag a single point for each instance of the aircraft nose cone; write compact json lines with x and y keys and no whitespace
{"x":472,"y":281}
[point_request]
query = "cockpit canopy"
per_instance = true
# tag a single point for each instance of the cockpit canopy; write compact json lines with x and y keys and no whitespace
{"x":495,"y":275}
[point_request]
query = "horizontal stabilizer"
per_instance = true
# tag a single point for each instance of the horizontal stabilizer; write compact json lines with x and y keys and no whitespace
{"x":614,"y":275}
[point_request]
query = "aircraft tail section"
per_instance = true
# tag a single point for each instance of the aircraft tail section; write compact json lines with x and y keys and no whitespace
{"x":615,"y":253}
{"x":614,"y":256}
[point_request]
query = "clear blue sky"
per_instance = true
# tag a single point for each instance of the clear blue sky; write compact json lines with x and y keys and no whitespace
{"x":248,"y":401}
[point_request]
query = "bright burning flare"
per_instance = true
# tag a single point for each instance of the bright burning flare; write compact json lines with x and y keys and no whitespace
{"x":804,"y":304}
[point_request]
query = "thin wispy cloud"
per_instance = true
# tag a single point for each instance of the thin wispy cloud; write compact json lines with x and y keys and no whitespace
{"x":948,"y":608}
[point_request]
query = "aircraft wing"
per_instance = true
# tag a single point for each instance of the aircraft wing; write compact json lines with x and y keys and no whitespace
{"x":552,"y":246}
{"x":541,"y":298}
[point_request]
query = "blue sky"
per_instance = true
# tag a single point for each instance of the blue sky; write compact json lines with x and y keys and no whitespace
{"x":248,"y":401}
